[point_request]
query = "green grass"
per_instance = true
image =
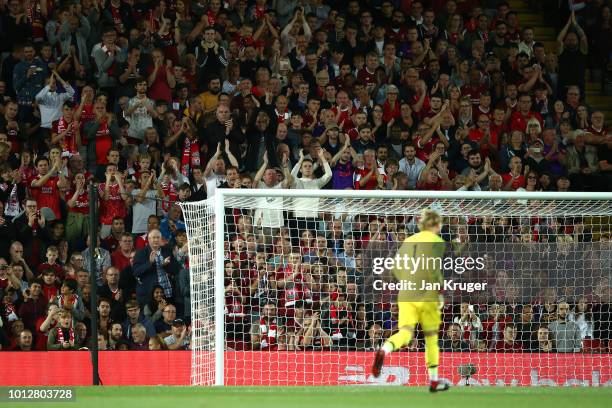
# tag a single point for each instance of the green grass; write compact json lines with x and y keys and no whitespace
{"x":335,"y":397}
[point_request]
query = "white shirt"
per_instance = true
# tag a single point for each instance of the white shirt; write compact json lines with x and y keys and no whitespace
{"x":309,"y":207}
{"x":50,"y":104}
{"x":140,"y":119}
{"x":413,"y":171}
{"x":142,"y":211}
{"x":212,"y":182}
{"x":269,"y":213}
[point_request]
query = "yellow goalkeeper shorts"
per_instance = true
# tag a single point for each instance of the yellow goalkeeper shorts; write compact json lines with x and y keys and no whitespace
{"x":426,"y":313}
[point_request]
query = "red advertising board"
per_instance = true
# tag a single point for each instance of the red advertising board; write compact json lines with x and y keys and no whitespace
{"x":353,"y":368}
{"x":304,"y":368}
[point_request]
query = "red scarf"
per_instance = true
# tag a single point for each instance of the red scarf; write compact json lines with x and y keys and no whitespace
{"x":170,"y":195}
{"x":61,"y":300}
{"x":212,"y":18}
{"x":268,"y":333}
{"x":191,"y":156}
{"x":60,"y":335}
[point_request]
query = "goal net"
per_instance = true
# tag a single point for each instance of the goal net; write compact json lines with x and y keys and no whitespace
{"x":294,"y":287}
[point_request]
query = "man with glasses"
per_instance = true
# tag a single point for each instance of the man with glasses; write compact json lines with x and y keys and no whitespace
{"x":164,"y":325}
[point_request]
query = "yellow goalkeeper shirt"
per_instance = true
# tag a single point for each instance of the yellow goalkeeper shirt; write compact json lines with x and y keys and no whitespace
{"x":419,"y":266}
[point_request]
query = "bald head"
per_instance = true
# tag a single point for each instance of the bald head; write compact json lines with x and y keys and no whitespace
{"x":154,"y":236}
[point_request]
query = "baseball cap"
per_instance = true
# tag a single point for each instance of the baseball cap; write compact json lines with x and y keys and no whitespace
{"x":178,"y":322}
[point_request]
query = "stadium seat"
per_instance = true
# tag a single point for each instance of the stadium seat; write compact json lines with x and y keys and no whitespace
{"x":592,"y":346}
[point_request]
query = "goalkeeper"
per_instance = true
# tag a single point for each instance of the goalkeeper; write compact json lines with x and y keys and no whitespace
{"x":422,"y":303}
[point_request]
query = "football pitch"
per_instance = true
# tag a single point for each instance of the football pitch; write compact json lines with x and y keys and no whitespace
{"x":335,"y":397}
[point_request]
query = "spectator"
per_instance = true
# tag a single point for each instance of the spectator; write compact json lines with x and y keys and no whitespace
{"x":77,"y":226}
{"x":34,"y":303}
{"x":25,"y":341}
{"x":107,"y":56}
{"x":411,"y":166}
{"x":156,"y":304}
{"x":157,"y":343}
{"x":566,"y":334}
{"x":154,"y":264}
{"x":468,"y":321}
{"x":526,"y":328}
{"x":180,"y":338}
{"x":453,"y":340}
{"x":572,"y":50}
{"x":139,"y":338}
{"x":64,"y":336}
{"x":140,"y":112}
{"x":115,"y":337}
{"x":582,"y":165}
{"x":104,"y":315}
{"x":102,"y":259}
{"x":509,"y":342}
{"x":583,"y":317}
{"x":112,"y":291}
{"x":111,"y":242}
{"x":68,"y":299}
{"x":545,"y":343}
{"x":28,"y":79}
{"x":134,"y":317}
{"x":46,"y":186}
{"x":112,"y":199}
{"x":264,"y":335}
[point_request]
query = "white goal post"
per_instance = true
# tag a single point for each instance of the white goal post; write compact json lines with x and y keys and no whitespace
{"x":234,"y":343}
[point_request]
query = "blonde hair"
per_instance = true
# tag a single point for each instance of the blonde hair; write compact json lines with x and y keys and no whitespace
{"x":429,"y":219}
{"x":534,"y":122}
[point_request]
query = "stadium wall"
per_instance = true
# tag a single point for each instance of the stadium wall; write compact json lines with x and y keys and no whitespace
{"x":304,"y":368}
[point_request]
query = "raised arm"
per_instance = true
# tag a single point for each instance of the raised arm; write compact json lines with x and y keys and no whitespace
{"x":261,"y":171}
{"x":40,"y":182}
{"x":288,"y":181}
{"x":347,"y":144}
{"x":230,"y":156}
{"x":298,"y":165}
{"x":584,"y":42}
{"x":211,"y":162}
{"x":563,"y":33}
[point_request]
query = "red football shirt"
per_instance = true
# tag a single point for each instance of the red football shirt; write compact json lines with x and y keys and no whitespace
{"x":47,"y":195}
{"x":516,"y":183}
{"x":113,"y":206}
{"x":82,"y":202}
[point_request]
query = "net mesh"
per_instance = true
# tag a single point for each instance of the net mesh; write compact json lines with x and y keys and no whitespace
{"x":200,"y":225}
{"x":304,"y":307}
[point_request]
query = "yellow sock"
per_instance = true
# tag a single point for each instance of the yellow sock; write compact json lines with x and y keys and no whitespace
{"x":397,"y":341}
{"x":432,"y":356}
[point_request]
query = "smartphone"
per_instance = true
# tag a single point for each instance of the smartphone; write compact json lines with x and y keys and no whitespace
{"x":284,"y":65}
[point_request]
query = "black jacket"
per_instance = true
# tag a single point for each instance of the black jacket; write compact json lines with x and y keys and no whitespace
{"x":145,"y":272}
{"x":215,"y":134}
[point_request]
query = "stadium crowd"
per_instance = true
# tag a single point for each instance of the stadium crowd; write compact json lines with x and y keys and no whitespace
{"x":160,"y":102}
